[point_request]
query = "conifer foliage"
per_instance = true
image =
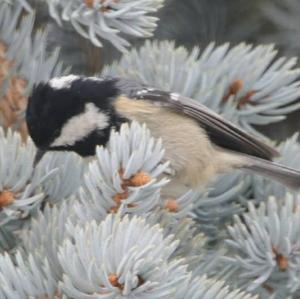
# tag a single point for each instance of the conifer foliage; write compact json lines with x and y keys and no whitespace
{"x":76,"y":229}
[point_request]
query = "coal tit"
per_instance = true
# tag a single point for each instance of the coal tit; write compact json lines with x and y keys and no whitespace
{"x":75,"y":113}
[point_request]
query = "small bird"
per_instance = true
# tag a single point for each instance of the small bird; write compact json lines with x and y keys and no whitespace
{"x":76,"y":113}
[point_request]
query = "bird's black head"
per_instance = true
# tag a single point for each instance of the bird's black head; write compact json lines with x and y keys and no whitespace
{"x":72,"y":113}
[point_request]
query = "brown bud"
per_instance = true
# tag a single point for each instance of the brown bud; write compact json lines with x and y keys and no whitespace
{"x":114,"y":209}
{"x":120,"y":196}
{"x":13,"y":102}
{"x":281,"y":260}
{"x":6,"y":198}
{"x":172,"y":205}
{"x":246,"y":98}
{"x":89,"y":3}
{"x":141,"y":280}
{"x":114,"y":280}
{"x":235,"y":87}
{"x":139,"y":179}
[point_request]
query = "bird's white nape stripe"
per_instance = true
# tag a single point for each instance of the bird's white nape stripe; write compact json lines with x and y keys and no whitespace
{"x":98,"y":79}
{"x":80,"y":126}
{"x":62,"y":82}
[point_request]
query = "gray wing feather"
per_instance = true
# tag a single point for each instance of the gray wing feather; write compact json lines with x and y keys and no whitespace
{"x":129,"y":87}
{"x":221,"y":132}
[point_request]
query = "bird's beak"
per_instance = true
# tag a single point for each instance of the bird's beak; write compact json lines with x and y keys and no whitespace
{"x":38,"y":156}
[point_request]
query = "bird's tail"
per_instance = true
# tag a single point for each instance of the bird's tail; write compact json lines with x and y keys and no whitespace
{"x":287,"y":176}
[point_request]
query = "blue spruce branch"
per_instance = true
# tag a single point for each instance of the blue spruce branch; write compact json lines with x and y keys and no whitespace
{"x":125,"y":175}
{"x":99,"y":20}
{"x":264,"y":245}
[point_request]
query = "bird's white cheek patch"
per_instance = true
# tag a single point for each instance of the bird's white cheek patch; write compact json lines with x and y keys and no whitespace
{"x":81,"y":125}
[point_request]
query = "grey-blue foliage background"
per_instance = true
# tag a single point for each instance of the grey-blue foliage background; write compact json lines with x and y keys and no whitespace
{"x":72,"y":229}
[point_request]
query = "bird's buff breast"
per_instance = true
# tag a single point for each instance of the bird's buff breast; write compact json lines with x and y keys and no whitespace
{"x":192,"y":156}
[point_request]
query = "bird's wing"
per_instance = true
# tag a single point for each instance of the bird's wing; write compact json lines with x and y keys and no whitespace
{"x":221,"y":132}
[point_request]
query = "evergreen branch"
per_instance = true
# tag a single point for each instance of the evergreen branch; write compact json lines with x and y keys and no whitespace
{"x":25,"y":278}
{"x":24,"y":3}
{"x":265,"y":244}
{"x":126,"y":175}
{"x":8,"y":238}
{"x":203,"y":288}
{"x":107,"y":19}
{"x":191,"y":242}
{"x":225,"y":198}
{"x":46,"y":233}
{"x":68,"y":178}
{"x":183,"y":206}
{"x":18,"y":187}
{"x":119,"y":258}
{"x":23,"y":188}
